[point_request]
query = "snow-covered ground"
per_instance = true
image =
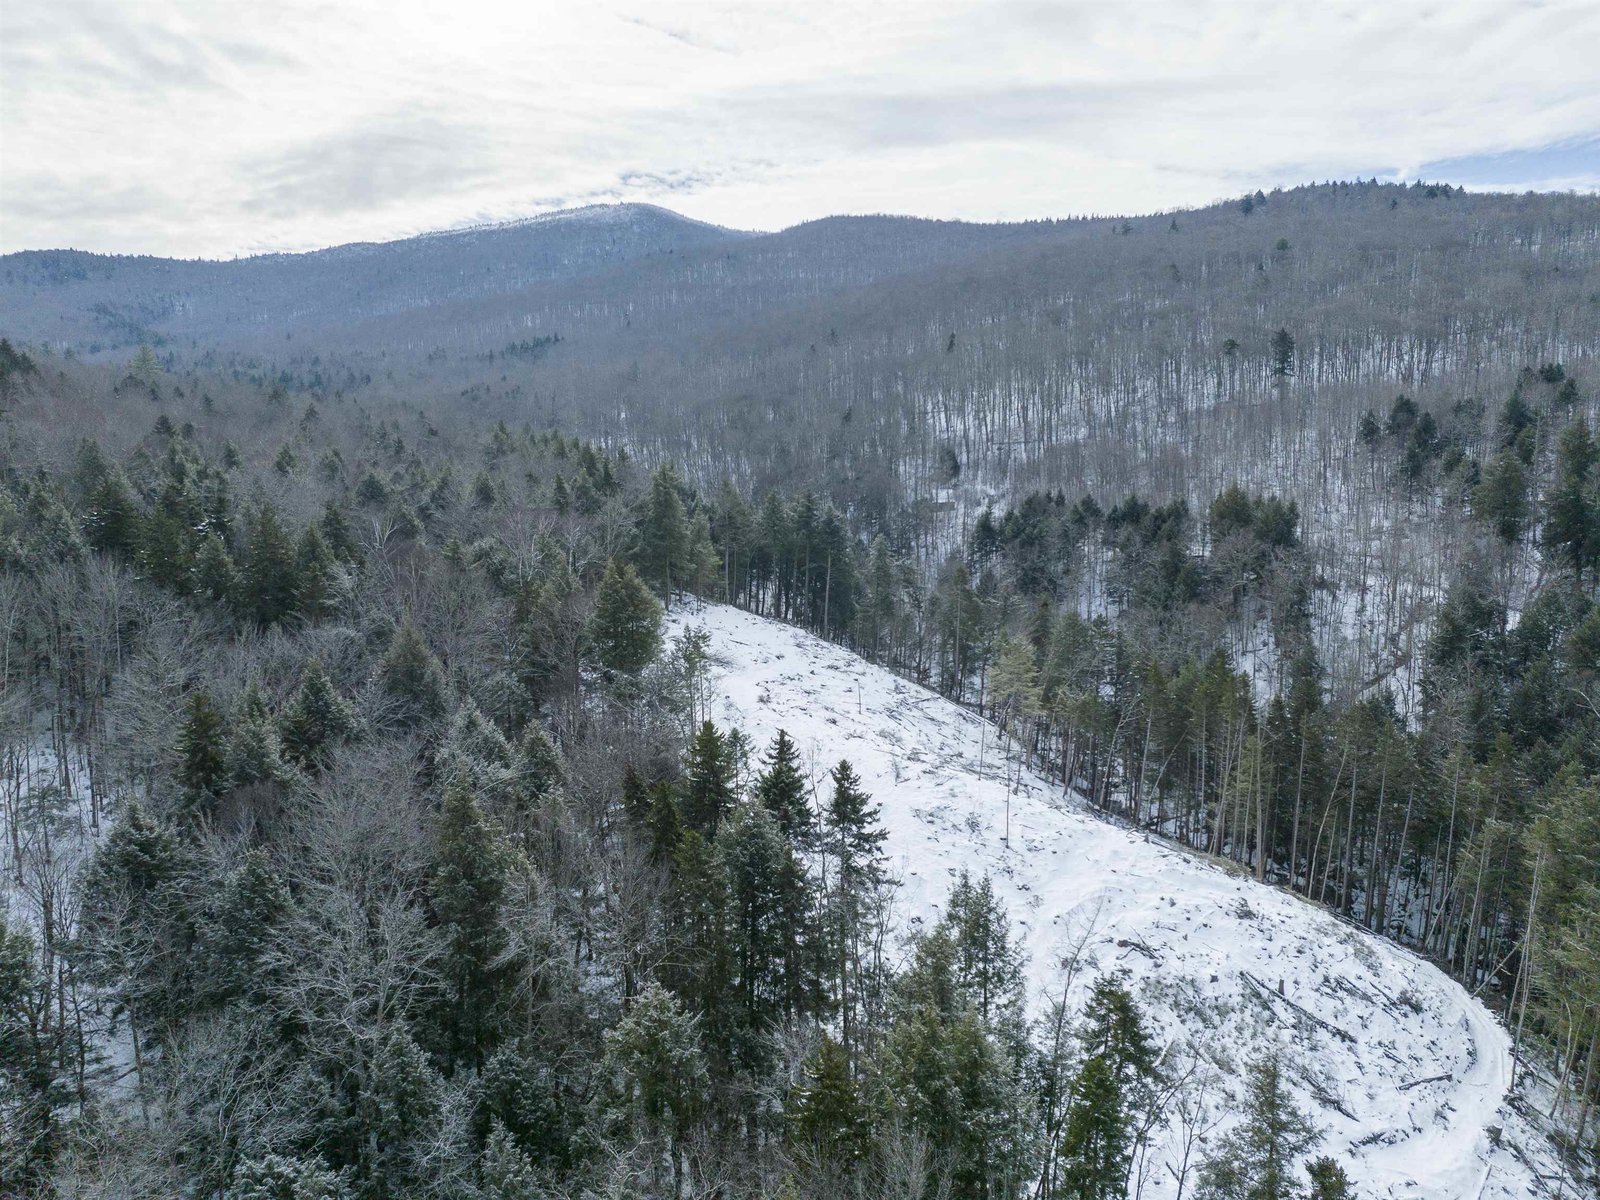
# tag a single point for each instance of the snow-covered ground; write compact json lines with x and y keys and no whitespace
{"x":1404,"y":1072}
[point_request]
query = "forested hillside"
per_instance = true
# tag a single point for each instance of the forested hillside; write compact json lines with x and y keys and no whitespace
{"x":367,"y":836}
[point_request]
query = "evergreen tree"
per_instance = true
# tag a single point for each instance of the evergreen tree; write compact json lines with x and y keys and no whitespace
{"x":318,"y":720}
{"x":1500,"y":500}
{"x":202,"y":770}
{"x":236,"y":929}
{"x":1328,"y":1180}
{"x":412,"y":677}
{"x":708,"y":788}
{"x":254,"y":752}
{"x":468,"y":889}
{"x":135,"y":928}
{"x":30,"y":1091}
{"x":216,"y":577}
{"x":269,"y":580}
{"x":1571,"y":531}
{"x":828,"y":1119}
{"x":111,"y":519}
{"x":656,"y":1068}
{"x":853,"y":841}
{"x":664,"y":534}
{"x":1256,"y":1161}
{"x":507,"y":1172}
{"x":476,"y":757}
{"x":1111,"y":1092}
{"x":537,"y":765}
{"x":781,"y":788}
{"x":759,"y":867}
{"x":316,"y":573}
{"x":279,"y":1177}
{"x":988,"y":966}
{"x":1282,"y":350}
{"x":626,"y":627}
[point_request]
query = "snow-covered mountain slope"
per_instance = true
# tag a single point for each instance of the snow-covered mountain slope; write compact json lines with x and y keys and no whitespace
{"x":1406,"y":1074}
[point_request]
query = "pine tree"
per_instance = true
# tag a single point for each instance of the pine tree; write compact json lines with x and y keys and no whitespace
{"x":1282,"y":349}
{"x":468,"y":889}
{"x":656,"y":1068}
{"x":1328,"y":1180}
{"x":255,"y":753}
{"x":413,"y":678}
{"x":318,"y":720}
{"x":1500,"y":500}
{"x":1108,"y":1097}
{"x":1256,"y":1160}
{"x":664,"y":534}
{"x":827,"y":1118}
{"x":269,"y":580}
{"x":708,"y":789}
{"x":279,"y":1177}
{"x":202,"y":770}
{"x":1571,"y":526}
{"x":626,"y":627}
{"x":781,"y":788}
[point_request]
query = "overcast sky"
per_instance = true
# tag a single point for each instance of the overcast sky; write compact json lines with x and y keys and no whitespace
{"x":223,"y":128}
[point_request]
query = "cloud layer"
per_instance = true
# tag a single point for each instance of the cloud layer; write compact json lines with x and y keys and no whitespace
{"x":220,"y":127}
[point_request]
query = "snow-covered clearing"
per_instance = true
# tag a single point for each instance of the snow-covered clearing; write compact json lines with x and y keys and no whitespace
{"x":1404,"y":1072}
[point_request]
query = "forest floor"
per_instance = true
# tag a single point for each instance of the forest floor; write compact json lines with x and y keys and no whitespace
{"x":1406,"y":1075}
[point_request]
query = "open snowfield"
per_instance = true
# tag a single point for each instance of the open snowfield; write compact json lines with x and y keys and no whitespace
{"x":1401,"y":1069}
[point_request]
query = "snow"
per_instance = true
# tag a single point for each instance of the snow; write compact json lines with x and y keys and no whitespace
{"x":1404,"y":1072}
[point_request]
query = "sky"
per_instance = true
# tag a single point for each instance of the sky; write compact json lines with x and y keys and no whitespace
{"x":216,"y":128}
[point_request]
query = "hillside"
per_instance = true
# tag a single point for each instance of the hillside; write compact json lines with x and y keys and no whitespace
{"x":1405,"y":1075}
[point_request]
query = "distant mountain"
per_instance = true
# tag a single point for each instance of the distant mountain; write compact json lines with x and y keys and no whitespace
{"x":100,"y":303}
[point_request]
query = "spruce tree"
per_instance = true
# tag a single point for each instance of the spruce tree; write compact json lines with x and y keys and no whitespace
{"x":853,"y":841}
{"x":413,"y":679}
{"x":781,"y":788}
{"x":664,"y":534}
{"x":626,"y":626}
{"x":708,"y":788}
{"x":1328,"y":1180}
{"x":255,"y":752}
{"x":1571,"y":532}
{"x":111,"y":520}
{"x":468,"y":889}
{"x":1256,"y":1160}
{"x":757,"y":863}
{"x":269,"y":580}
{"x":1109,"y":1095}
{"x":1282,"y":349}
{"x":30,"y":1090}
{"x":318,"y":720}
{"x":828,"y":1120}
{"x":202,"y":770}
{"x":1500,"y":500}
{"x":657,"y":1070}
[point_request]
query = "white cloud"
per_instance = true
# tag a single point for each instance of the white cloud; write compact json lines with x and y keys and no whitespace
{"x":213,"y":128}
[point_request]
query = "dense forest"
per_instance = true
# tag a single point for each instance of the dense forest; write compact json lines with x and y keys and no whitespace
{"x":367,"y":836}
